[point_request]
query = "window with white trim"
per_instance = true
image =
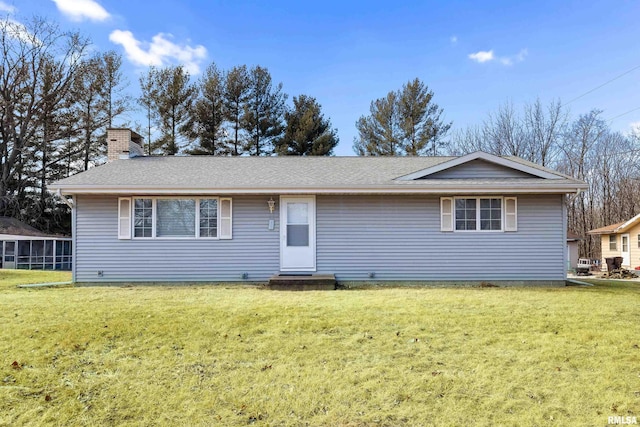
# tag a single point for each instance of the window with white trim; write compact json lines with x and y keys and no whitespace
{"x":613,"y":242}
{"x":478,"y":214}
{"x":174,"y":217}
{"x":484,"y":214}
{"x":208,"y":218}
{"x":142,"y":217}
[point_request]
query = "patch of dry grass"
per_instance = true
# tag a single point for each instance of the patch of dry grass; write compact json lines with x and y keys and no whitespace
{"x":12,"y":278}
{"x":216,"y":355}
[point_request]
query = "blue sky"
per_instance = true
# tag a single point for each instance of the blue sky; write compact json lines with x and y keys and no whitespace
{"x":475,"y":56}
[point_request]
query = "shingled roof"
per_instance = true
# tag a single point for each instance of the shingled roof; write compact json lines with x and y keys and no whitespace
{"x":293,"y":174}
{"x":618,"y":227}
{"x":16,"y":227}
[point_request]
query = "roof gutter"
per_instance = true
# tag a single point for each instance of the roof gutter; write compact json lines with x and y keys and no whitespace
{"x":400,"y":189}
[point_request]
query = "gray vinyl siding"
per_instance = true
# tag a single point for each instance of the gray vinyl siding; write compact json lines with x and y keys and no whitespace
{"x":479,"y":169}
{"x":397,"y":237}
{"x":254,"y":249}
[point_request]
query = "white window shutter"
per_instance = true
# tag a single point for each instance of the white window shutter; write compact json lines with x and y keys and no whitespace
{"x":510,"y":214}
{"x":226,"y":223}
{"x":446,"y":213}
{"x":124,"y":218}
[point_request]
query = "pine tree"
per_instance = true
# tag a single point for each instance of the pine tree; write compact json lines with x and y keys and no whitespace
{"x":405,"y":122}
{"x":235,"y":93}
{"x":307,"y":132}
{"x":420,"y":120}
{"x":207,"y":115}
{"x":263,"y":113}
{"x":380,"y":133}
{"x":172,"y":96}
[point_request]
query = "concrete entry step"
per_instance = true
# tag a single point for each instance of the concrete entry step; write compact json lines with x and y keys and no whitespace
{"x":302,"y":282}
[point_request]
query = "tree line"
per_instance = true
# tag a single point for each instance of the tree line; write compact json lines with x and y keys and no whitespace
{"x":58,"y":96}
{"x":231,"y":113}
{"x":584,"y":147}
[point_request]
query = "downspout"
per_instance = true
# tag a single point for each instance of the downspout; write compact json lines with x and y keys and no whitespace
{"x":64,"y":199}
{"x":575,"y":196}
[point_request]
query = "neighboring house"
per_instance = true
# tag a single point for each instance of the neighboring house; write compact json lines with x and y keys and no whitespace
{"x":477,"y":217}
{"x":25,"y":247}
{"x":621,"y":240}
{"x":573,"y":241}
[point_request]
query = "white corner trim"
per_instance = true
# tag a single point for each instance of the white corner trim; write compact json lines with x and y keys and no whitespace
{"x":479,"y":155}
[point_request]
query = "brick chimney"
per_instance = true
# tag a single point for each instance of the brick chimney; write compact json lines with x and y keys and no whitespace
{"x":123,"y":143}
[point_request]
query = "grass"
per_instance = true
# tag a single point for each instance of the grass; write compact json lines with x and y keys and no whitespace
{"x":225,"y":355}
{"x":10,"y":278}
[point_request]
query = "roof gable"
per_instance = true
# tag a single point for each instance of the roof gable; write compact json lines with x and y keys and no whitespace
{"x":619,"y":227}
{"x":479,"y":169}
{"x":473,"y":161}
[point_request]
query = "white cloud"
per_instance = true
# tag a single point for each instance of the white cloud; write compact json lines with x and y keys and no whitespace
{"x":453,"y":39}
{"x":80,"y":10}
{"x":160,"y":51}
{"x":482,"y":56}
{"x":487,"y":56}
{"x":5,"y":7}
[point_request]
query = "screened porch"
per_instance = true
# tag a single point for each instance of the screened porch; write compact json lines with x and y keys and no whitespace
{"x":35,"y":253}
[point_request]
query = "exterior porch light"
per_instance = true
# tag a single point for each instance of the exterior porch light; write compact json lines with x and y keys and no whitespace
{"x":272,"y":205}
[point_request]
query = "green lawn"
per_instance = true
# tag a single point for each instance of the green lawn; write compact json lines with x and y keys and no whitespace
{"x":225,"y":355}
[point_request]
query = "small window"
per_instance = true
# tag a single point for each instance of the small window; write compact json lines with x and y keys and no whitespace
{"x":143,"y":218}
{"x":490,"y":214}
{"x":209,"y":218}
{"x":639,"y":240}
{"x":613,"y":245}
{"x":465,"y":214}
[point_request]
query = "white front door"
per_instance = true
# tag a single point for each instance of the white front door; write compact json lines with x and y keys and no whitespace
{"x":298,"y":233}
{"x":626,"y":256}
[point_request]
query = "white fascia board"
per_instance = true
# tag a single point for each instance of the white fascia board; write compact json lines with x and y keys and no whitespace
{"x":24,"y":237}
{"x":627,"y":224}
{"x":557,"y":188}
{"x":479,"y":155}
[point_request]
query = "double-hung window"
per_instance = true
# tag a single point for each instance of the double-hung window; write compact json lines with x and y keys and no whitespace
{"x":173,"y":217}
{"x":613,"y":242}
{"x":478,"y":213}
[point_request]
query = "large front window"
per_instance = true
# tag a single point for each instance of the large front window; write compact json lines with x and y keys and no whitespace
{"x":177,"y":217}
{"x":484,"y":214}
